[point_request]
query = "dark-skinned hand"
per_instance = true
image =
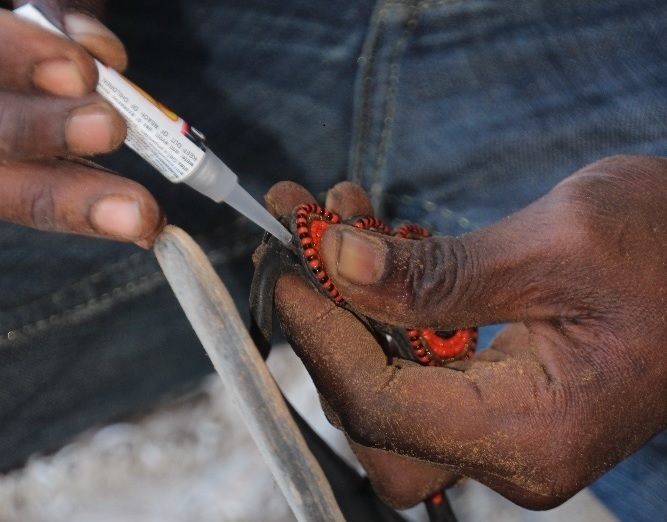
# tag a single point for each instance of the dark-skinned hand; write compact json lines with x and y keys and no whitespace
{"x":50,"y":116}
{"x":574,"y":385}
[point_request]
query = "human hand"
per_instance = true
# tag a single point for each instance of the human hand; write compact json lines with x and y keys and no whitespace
{"x":573,"y":386}
{"x":51,"y":116}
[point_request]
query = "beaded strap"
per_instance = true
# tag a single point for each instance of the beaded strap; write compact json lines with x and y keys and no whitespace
{"x":426,"y":346}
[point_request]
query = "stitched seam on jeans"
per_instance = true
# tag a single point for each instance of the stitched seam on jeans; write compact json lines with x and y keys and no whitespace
{"x":106,"y":301}
{"x":365,"y":94}
{"x":411,"y":24}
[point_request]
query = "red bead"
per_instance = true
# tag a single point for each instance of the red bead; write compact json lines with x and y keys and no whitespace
{"x":437,"y":498}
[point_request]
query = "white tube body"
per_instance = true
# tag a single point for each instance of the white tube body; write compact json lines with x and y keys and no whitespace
{"x":158,"y":135}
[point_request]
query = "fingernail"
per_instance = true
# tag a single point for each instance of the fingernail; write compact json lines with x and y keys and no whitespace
{"x":90,"y":129}
{"x":361,"y":258}
{"x":80,"y":25}
{"x":59,"y":76}
{"x":97,"y":38}
{"x":116,"y":216}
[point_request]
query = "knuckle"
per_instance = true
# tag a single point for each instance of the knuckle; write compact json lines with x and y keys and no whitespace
{"x":359,"y":427}
{"x":367,"y":414}
{"x":592,"y":210}
{"x":436,"y":277}
{"x":544,"y":488}
{"x":426,"y":279}
{"x":41,"y":201}
{"x":554,"y":491}
{"x":15,"y":127}
{"x":32,"y":126}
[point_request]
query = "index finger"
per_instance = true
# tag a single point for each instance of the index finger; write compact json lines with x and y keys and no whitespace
{"x":482,"y":422}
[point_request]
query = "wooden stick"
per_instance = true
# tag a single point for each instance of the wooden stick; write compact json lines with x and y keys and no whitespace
{"x":215,"y":319}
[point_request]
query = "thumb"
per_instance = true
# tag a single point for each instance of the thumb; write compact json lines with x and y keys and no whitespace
{"x":515,"y":270}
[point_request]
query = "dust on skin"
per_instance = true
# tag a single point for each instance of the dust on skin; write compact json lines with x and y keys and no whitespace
{"x":472,"y":456}
{"x":381,"y":466}
{"x":324,"y":359}
{"x":433,"y":452}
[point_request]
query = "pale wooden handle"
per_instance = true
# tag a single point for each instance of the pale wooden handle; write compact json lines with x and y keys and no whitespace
{"x":211,"y":311}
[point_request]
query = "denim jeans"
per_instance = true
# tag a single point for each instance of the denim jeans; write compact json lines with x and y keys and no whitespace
{"x":451,"y":113}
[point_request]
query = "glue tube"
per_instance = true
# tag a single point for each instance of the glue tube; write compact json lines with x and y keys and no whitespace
{"x":166,"y":141}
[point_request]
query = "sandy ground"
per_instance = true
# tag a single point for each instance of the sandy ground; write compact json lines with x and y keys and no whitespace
{"x":190,"y":460}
